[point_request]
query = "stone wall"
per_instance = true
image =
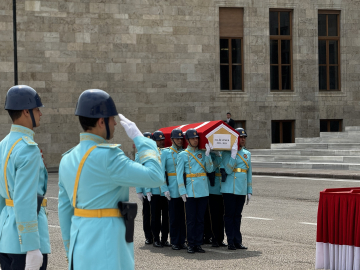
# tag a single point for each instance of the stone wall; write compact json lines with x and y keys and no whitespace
{"x":159,"y":59}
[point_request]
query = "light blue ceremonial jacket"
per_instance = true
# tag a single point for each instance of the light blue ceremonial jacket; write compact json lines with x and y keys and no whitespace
{"x":158,"y":190}
{"x":139,"y":189}
{"x":107,"y":174}
{"x":169,"y":162}
{"x":21,"y":229}
{"x":217,"y":161}
{"x":196,"y":187}
{"x":238,"y":183}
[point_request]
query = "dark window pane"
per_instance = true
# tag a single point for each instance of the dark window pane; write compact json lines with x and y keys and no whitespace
{"x":333,"y":51}
{"x":284,"y":23}
{"x":239,"y":124}
{"x":236,"y":50}
{"x":274,"y":59}
{"x":332,"y":24}
{"x":335,"y":126}
{"x":323,"y":125}
{"x":333,"y":75}
{"x":286,"y":77}
{"x":322,"y":78}
{"x":287,"y":132}
{"x":322,"y":52}
{"x":285,"y":52}
{"x":322,"y":25}
{"x":236,"y":78}
{"x":224,"y":51}
{"x":274,"y":23}
{"x":224,"y":77}
{"x":275,"y":132}
{"x":274,"y":77}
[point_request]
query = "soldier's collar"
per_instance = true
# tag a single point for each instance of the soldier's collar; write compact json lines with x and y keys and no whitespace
{"x":175,"y":147}
{"x":193,"y":149}
{"x":91,"y":137}
{"x":22,"y":129}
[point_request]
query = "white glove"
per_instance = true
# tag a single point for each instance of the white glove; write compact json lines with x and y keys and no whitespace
{"x":148,"y":194}
{"x":184,"y":197}
{"x":207,"y":152}
{"x":140,"y":196}
{"x":130,"y":127}
{"x":234,"y":149}
{"x":167,"y":195}
{"x":248,"y":198}
{"x":34,"y":260}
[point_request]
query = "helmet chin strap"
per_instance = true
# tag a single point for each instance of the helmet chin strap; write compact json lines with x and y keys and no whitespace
{"x":107,"y":128}
{"x":175,"y":143}
{"x":190,"y":143}
{"x":32,"y":117}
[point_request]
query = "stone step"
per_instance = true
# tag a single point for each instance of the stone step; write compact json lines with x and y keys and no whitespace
{"x":304,"y":152}
{"x":352,"y":128}
{"x":304,"y":165}
{"x":305,"y":159}
{"x":334,"y":146}
{"x":344,"y":139}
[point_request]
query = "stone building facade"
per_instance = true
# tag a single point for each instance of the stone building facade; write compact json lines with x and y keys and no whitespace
{"x":159,"y":59}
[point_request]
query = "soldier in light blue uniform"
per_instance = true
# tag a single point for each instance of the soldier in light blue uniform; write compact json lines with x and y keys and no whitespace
{"x":238,"y":184}
{"x":194,"y":163}
{"x":141,"y":193}
{"x":176,"y":204}
{"x":158,"y":202}
{"x":94,"y":177}
{"x":24,"y":234}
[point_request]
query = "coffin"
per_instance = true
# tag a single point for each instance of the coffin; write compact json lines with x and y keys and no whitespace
{"x":218,"y":134}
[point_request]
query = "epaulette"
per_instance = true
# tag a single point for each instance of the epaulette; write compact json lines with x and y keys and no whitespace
{"x":68,"y":151}
{"x":28,"y":140}
{"x":108,"y":145}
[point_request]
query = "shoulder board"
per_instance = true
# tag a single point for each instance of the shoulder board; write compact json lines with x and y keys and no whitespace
{"x":28,"y":140}
{"x":68,"y":151}
{"x":108,"y":145}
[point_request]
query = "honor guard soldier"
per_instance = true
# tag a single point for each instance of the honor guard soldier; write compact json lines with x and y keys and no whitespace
{"x":191,"y":169}
{"x":141,"y":193}
{"x":238,"y":184}
{"x":158,"y":203}
{"x":94,"y":181}
{"x":176,"y":204}
{"x":24,"y":242}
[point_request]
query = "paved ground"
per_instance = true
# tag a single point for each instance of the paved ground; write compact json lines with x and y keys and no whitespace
{"x":279,"y":227}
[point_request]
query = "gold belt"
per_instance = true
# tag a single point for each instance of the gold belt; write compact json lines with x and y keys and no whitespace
{"x":240,"y":170}
{"x":171,"y":174}
{"x":97,"y":213}
{"x":218,"y":174}
{"x":196,"y":175}
{"x":11,"y":202}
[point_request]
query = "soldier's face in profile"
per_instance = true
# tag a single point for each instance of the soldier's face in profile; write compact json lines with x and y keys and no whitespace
{"x":37,"y":114}
{"x":242,"y":141}
{"x":112,"y":124}
{"x":160,"y":144}
{"x":194,"y":142}
{"x":179,"y":142}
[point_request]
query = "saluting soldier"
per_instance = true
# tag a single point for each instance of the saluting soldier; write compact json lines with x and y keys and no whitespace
{"x":24,"y":242}
{"x":194,"y":163}
{"x":238,"y":184}
{"x":158,"y":202}
{"x":176,"y":204}
{"x":141,"y":193}
{"x":94,"y":181}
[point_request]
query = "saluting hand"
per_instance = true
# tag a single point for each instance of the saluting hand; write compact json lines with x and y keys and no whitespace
{"x":130,"y":127}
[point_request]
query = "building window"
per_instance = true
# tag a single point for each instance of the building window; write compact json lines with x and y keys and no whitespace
{"x":240,"y":124}
{"x":231,"y":49}
{"x":283,"y":131}
{"x":329,"y":50}
{"x":333,"y":125}
{"x":281,"y":50}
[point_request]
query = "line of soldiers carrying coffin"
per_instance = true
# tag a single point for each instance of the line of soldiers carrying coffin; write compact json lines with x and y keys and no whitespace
{"x":94,"y":181}
{"x":210,"y":183}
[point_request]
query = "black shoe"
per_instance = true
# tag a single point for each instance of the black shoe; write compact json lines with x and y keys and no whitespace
{"x":199,"y":249}
{"x":157,"y":244}
{"x":165,"y":243}
{"x":231,"y":247}
{"x":148,"y":241}
{"x":240,"y":246}
{"x":215,"y":244}
{"x":184,"y":246}
{"x":222,"y":244}
{"x":176,"y":247}
{"x":190,"y":249}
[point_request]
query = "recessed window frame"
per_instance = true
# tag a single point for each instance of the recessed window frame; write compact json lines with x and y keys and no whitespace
{"x":279,"y":38}
{"x":281,"y":130}
{"x":328,"y":38}
{"x":242,"y":122}
{"x":329,"y":122}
